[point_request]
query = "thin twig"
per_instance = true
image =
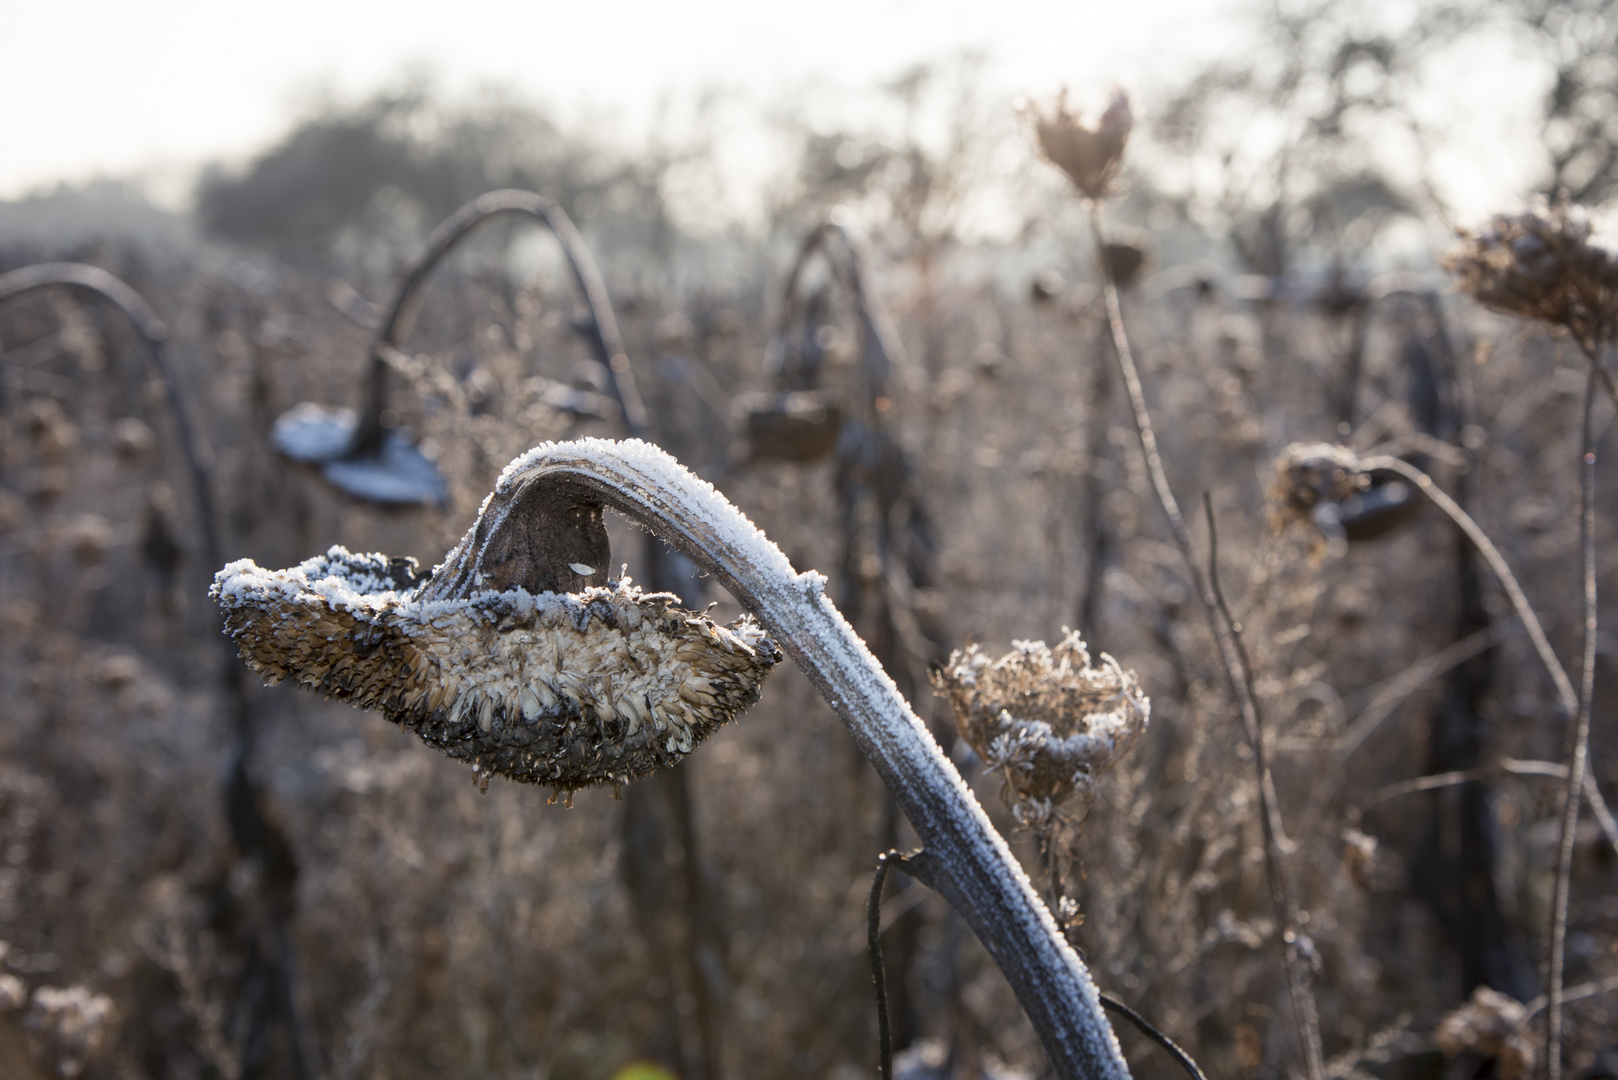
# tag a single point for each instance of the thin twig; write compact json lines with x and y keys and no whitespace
{"x":1576,"y":993}
{"x":1184,"y":1059}
{"x":873,"y":933}
{"x":1503,"y":767}
{"x":1229,"y":652}
{"x":1578,"y":735}
{"x":1407,"y":682}
{"x":1497,"y":563}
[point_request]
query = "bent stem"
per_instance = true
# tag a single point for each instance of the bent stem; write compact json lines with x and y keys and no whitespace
{"x":964,"y":858}
{"x":1237,"y":672}
{"x":601,"y":326}
{"x":1497,"y":563}
{"x":1576,"y":704}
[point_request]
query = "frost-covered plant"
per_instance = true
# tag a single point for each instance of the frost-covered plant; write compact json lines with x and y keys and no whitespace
{"x":541,"y":532}
{"x":600,"y":685}
{"x":1048,"y":720}
{"x":515,"y":655}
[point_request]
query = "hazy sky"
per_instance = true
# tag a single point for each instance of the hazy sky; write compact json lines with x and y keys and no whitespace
{"x":104,"y":88}
{"x":111,"y":87}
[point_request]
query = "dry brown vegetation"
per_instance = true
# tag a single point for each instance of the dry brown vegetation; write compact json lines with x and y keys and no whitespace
{"x":713,"y":920}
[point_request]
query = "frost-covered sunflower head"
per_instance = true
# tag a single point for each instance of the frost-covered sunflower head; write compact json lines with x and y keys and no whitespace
{"x":495,"y":658}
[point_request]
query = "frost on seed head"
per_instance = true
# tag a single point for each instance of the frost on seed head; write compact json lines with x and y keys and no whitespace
{"x":565,"y":689}
{"x":1047,"y":719}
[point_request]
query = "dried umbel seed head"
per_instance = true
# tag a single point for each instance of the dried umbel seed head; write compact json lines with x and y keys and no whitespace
{"x":1090,"y":156}
{"x":516,"y":654}
{"x":1495,"y":1026}
{"x":1048,"y":720}
{"x":1541,"y":265}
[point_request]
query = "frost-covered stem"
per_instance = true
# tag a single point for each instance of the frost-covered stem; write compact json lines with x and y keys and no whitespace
{"x":965,"y":859}
{"x":1578,"y":735}
{"x":1303,"y":1003}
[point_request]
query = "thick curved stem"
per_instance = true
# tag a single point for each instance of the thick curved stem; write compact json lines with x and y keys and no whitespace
{"x":605,"y":341}
{"x":882,"y":348}
{"x":965,"y":858}
{"x":155,"y":333}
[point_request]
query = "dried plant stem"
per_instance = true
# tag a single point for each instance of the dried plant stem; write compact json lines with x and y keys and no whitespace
{"x":1576,"y":704}
{"x":1232,"y":655}
{"x":1504,"y":767}
{"x":873,"y":935}
{"x":1497,"y":562}
{"x":964,"y":857}
{"x":1578,"y":734}
{"x":255,"y":834}
{"x":600,"y":326}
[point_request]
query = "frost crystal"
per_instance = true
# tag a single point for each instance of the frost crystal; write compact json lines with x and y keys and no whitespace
{"x":1046,"y":719}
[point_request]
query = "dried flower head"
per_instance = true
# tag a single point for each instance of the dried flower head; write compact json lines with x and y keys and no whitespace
{"x":1090,"y":156}
{"x":68,"y":1027}
{"x":1047,"y":719}
{"x":487,"y":660}
{"x":1541,"y":265}
{"x":1311,"y":481}
{"x":1495,"y":1026}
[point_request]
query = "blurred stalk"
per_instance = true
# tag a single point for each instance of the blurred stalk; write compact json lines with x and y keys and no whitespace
{"x":266,"y":988}
{"x":1578,"y":732}
{"x":1231,"y":653}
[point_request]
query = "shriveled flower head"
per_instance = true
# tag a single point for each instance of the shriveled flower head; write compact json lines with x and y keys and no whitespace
{"x":1541,"y":265}
{"x":1309,"y":476}
{"x":490,"y":662}
{"x":1494,"y":1026}
{"x":1090,"y":156}
{"x":1046,"y":719}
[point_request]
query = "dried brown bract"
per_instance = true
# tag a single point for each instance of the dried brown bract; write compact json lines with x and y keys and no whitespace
{"x":1541,"y":265}
{"x":1495,"y":1026}
{"x":1046,"y":719}
{"x":565,"y":689}
{"x":1090,"y":156}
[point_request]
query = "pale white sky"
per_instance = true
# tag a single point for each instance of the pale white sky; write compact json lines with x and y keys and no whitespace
{"x":107,"y":86}
{"x":99,"y":87}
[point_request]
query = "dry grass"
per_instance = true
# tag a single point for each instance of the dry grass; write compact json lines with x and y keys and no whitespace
{"x":442,"y":932}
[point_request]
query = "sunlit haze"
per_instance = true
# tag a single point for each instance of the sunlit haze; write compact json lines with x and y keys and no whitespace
{"x":114,"y":89}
